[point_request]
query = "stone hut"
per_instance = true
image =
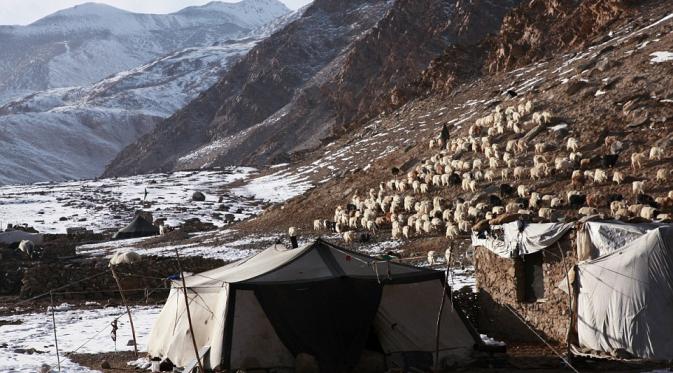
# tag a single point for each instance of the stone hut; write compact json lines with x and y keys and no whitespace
{"x":518,"y":270}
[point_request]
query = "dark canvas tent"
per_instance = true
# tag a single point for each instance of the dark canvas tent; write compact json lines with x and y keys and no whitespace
{"x":139,"y":227}
{"x":319,"y":299}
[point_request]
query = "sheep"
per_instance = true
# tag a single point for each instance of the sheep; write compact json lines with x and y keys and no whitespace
{"x":618,"y":177}
{"x":504,"y":174}
{"x":588,"y":211}
{"x":609,"y":160}
{"x":576,"y":199}
{"x":163,"y":229}
{"x":656,"y":153}
{"x":540,"y":148}
{"x":522,"y":191}
{"x":638,"y":187}
{"x":497,"y":210}
{"x":577,"y":178}
{"x":518,"y":173}
{"x":406,"y":231}
{"x":431,"y":257}
{"x":648,"y":212}
{"x":27,"y":247}
{"x":615,"y":206}
{"x":464,"y":226}
{"x":317,"y":225}
{"x":572,"y":144}
{"x":545,"y":213}
{"x":424,"y":188}
{"x":129,"y":257}
{"x":473,"y":186}
{"x":635,"y":209}
{"x":349,"y":237}
{"x":662,"y":175}
{"x":585,"y":163}
{"x":637,"y":160}
{"x":555,"y":202}
{"x":600,"y":176}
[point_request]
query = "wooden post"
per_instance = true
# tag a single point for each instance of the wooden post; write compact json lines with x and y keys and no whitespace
{"x":570,"y":302}
{"x":53,"y":320}
{"x":189,"y":316}
{"x":441,"y":309}
{"x":128,"y":310}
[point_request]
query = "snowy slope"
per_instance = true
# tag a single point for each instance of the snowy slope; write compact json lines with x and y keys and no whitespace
{"x":88,"y":42}
{"x":72,"y":133}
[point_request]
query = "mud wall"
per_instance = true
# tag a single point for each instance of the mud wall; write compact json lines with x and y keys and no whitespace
{"x":500,"y":282}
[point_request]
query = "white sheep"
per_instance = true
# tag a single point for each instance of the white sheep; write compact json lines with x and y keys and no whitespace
{"x":662,"y":175}
{"x":637,"y":160}
{"x":618,"y":177}
{"x":349,"y":237}
{"x":431,"y":257}
{"x":600,"y":176}
{"x":406,"y":231}
{"x":129,"y":257}
{"x":648,"y":212}
{"x":522,"y":191}
{"x":588,"y":211}
{"x":317,"y":225}
{"x":27,"y":247}
{"x":545,"y":213}
{"x":572,"y":144}
{"x":638,"y":187}
{"x":656,"y":153}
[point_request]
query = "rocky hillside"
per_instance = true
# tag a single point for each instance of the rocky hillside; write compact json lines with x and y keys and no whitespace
{"x":593,"y":131}
{"x":86,"y":43}
{"x":334,"y":67}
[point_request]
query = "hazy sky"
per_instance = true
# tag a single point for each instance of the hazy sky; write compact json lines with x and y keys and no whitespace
{"x":23,"y":12}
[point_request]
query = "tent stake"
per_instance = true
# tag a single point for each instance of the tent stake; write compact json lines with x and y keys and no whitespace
{"x":189,"y":316}
{"x":53,"y":320}
{"x":441,"y":309}
{"x":128,"y":310}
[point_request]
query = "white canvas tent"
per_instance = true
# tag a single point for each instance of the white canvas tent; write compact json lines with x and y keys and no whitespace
{"x":318,"y":299}
{"x":625,"y":298}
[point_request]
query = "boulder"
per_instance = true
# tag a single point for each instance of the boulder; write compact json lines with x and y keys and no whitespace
{"x":198,"y":197}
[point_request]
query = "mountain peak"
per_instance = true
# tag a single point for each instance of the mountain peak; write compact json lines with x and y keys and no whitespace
{"x":85,"y":9}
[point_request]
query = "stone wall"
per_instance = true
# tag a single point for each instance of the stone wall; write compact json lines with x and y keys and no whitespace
{"x":40,"y":277}
{"x":500,"y":282}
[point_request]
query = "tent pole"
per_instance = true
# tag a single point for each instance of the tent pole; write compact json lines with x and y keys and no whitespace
{"x":128,"y":310}
{"x":441,"y":309}
{"x":53,"y":320}
{"x":570,"y":302}
{"x":189,"y":315}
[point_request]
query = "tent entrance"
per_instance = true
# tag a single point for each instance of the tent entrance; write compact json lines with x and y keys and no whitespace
{"x":330,"y":320}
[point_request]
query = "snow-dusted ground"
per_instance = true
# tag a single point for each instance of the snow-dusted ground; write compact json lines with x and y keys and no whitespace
{"x":110,"y":203}
{"x":84,"y":331}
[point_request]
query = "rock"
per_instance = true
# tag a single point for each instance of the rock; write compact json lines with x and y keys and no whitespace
{"x":198,"y":196}
{"x":105,"y":364}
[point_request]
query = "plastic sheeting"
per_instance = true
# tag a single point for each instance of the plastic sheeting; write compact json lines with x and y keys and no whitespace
{"x":625,"y":298}
{"x":535,"y":237}
{"x":607,"y":237}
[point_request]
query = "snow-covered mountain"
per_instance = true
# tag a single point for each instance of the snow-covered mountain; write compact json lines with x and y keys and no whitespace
{"x":73,"y":132}
{"x":88,"y":42}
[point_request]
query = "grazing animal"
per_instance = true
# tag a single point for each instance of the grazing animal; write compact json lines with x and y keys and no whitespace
{"x":662,"y":175}
{"x":431,"y":257}
{"x":27,"y":247}
{"x":577,"y":200}
{"x":638,"y":187}
{"x":618,"y":177}
{"x":129,"y":257}
{"x":506,"y":190}
{"x":656,"y":153}
{"x":494,"y":200}
{"x":645,"y":199}
{"x":572,"y":145}
{"x":349,"y":237}
{"x":637,"y":160}
{"x":609,"y":160}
